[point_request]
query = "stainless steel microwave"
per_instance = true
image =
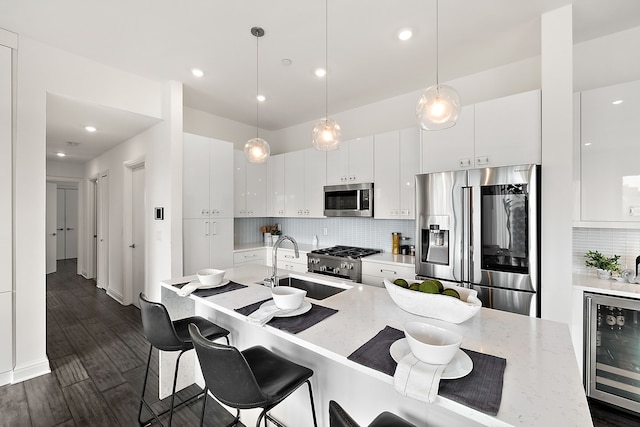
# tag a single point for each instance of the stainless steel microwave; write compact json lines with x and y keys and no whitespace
{"x":349,"y":200}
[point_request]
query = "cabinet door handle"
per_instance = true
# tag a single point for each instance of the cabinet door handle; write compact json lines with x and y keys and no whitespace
{"x":251,"y":256}
{"x":289,"y":256}
{"x":387,"y":271}
{"x":482,"y":160}
{"x":215,"y":228}
{"x":465,"y":163}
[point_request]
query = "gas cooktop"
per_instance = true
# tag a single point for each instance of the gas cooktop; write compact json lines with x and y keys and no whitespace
{"x":350,"y":252}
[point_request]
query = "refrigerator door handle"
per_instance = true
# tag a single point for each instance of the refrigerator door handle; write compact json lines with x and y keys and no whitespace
{"x":467,"y":235}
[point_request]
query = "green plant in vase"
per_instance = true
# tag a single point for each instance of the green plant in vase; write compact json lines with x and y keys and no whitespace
{"x":604,"y":265}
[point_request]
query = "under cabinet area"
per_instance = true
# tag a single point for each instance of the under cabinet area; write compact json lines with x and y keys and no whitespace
{"x":352,"y":163}
{"x":500,"y":132}
{"x":608,"y":153}
{"x":397,"y":161}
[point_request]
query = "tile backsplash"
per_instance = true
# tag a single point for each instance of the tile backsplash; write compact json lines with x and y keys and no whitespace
{"x":362,"y":232}
{"x":623,"y":242}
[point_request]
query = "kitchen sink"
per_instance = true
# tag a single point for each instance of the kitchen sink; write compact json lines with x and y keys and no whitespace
{"x":315,"y":290}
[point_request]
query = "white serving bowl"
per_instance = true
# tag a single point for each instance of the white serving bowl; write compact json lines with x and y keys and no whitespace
{"x":288,"y":298}
{"x":436,"y":306}
{"x":432,"y":344}
{"x":210,"y":276}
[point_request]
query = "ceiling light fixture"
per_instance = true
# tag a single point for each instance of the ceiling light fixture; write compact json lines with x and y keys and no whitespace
{"x":320,"y":72}
{"x":326,"y":133}
{"x":256,"y":149}
{"x":60,"y":154}
{"x":405,"y":34}
{"x":90,"y":129}
{"x":439,"y":105}
{"x":197,"y":72}
{"x":617,"y":102}
{"x":261,"y":98}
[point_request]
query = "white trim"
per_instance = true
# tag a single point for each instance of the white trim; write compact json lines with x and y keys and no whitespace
{"x":6,"y":378}
{"x":115,"y":295}
{"x":9,"y":39}
{"x":127,"y":208}
{"x":32,"y":370}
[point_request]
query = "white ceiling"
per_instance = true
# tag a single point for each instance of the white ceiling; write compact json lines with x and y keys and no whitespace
{"x":164,"y":39}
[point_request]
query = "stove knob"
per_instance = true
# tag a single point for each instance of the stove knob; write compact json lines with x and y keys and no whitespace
{"x":323,"y":268}
{"x":336,"y":270}
{"x":350,"y":266}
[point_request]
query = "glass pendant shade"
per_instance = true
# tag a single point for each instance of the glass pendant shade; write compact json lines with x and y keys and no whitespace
{"x":438,"y":107}
{"x":326,"y":135}
{"x":257,"y":150}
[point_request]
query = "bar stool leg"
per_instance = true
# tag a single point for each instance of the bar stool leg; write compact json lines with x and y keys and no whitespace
{"x":313,"y":408}
{"x":142,"y":400}
{"x":173,"y":392}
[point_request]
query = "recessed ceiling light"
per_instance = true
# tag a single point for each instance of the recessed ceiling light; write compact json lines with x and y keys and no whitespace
{"x":60,"y":154}
{"x":197,"y":72}
{"x":587,"y":144}
{"x":90,"y":128}
{"x":619,"y":101}
{"x":261,"y":98}
{"x":405,"y":34}
{"x":286,"y":62}
{"x":321,"y":72}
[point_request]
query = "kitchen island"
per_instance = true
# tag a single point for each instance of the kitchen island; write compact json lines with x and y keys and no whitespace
{"x":542,"y":384}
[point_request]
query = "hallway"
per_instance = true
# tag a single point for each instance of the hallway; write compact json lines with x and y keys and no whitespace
{"x":97,"y":354}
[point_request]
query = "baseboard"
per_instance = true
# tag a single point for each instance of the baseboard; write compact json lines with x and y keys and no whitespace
{"x":6,"y":378}
{"x":32,"y":370}
{"x":116,"y":296}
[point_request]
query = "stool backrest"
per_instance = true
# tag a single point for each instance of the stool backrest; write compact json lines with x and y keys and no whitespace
{"x":157,"y":325}
{"x":226,"y":373}
{"x":338,"y":417}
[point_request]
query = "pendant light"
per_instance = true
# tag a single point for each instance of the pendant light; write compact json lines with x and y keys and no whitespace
{"x":326,"y":133}
{"x":256,"y":149}
{"x":439,"y":105}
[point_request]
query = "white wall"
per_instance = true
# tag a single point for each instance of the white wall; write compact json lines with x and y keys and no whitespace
{"x":60,"y":168}
{"x":42,"y":69}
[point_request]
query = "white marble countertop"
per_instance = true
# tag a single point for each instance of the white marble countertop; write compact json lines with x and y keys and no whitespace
{"x":303,"y":247}
{"x":389,"y":258}
{"x":542,"y":384}
{"x":591,"y":283}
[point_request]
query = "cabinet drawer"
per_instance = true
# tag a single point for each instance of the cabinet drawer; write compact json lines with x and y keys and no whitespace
{"x":387,"y":271}
{"x":255,"y":256}
{"x":288,"y":256}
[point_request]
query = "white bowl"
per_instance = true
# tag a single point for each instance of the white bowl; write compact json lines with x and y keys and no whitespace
{"x":432,"y":344}
{"x":437,"y":306}
{"x":210,"y":276}
{"x":288,"y":298}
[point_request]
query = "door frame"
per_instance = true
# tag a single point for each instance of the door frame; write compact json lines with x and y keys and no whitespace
{"x":127,"y":206}
{"x":82,"y":255}
{"x":102,"y":223}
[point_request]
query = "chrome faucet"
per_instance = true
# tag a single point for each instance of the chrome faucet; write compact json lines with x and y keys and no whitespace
{"x":276,"y":245}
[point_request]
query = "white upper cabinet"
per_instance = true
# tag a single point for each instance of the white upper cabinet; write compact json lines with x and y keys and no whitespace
{"x":610,"y":153}
{"x":207,"y":171}
{"x":305,"y":178}
{"x":452,"y":148}
{"x":351,"y":163}
{"x":275,"y":186}
{"x":250,"y":183}
{"x":500,"y":132}
{"x":508,"y":130}
{"x":397,"y":161}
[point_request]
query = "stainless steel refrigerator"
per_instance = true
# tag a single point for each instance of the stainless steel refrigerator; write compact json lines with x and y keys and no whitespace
{"x":480,"y":228}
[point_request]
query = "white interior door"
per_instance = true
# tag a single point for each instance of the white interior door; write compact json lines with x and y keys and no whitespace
{"x":138,"y":232}
{"x":51,"y":240}
{"x":103,"y":231}
{"x":71,"y":223}
{"x":60,"y":226}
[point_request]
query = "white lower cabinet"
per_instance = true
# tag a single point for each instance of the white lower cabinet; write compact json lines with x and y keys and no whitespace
{"x":374,"y":273}
{"x":6,"y":331}
{"x":252,"y":256}
{"x":208,"y":243}
{"x":287,"y":261}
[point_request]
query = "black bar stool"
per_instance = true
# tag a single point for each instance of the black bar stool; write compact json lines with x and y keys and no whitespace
{"x":167,"y":335}
{"x":252,"y":378}
{"x":338,"y":417}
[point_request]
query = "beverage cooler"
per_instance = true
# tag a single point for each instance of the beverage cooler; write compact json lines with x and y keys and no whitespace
{"x":612,"y":350}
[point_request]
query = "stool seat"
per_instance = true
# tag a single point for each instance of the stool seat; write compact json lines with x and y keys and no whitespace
{"x":252,"y":378}
{"x":338,"y":417}
{"x":167,"y":335}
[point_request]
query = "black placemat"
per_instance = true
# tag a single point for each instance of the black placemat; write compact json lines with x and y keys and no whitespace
{"x":293,"y":324}
{"x":231,"y":286}
{"x":481,"y":389}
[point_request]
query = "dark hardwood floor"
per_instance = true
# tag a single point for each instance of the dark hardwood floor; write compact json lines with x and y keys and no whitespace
{"x":98,"y":355}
